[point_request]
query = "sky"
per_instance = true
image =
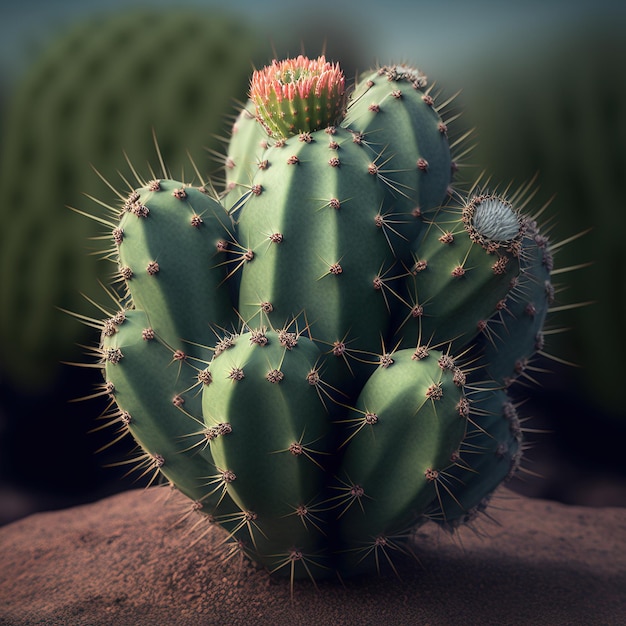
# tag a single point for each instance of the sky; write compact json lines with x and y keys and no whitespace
{"x":442,"y":32}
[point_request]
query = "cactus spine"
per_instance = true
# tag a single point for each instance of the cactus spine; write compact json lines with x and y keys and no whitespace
{"x":337,"y":411}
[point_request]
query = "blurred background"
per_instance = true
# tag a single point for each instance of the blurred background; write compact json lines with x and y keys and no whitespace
{"x":83,"y":83}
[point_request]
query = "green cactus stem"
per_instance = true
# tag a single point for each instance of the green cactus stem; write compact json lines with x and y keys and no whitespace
{"x":310,"y":204}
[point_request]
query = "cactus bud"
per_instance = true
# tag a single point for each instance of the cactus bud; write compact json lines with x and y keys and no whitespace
{"x":298,"y":95}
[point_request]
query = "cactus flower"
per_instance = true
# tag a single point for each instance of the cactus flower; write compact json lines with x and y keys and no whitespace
{"x":298,"y":95}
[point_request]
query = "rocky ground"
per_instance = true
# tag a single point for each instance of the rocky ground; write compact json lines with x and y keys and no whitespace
{"x":124,"y":560}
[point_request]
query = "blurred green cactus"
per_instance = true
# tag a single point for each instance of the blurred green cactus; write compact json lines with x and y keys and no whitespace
{"x":570,"y":132}
{"x":100,"y":89}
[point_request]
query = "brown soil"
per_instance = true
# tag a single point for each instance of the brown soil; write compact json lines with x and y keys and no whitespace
{"x":125,"y":561}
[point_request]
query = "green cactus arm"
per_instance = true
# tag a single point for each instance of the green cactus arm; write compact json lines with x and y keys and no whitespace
{"x":407,"y":423}
{"x":319,"y":246}
{"x":393,"y":111}
{"x":157,"y":395}
{"x":278,"y":441}
{"x":165,"y":225}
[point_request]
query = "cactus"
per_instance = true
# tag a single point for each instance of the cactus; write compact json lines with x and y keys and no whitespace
{"x":514,"y":334}
{"x":352,"y":383}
